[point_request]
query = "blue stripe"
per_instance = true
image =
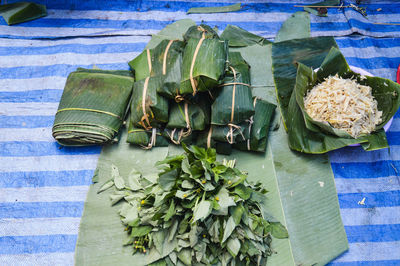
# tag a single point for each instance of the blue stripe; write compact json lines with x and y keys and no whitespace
{"x":74,"y":48}
{"x":363,"y":42}
{"x":46,"y":179}
{"x":378,"y":199}
{"x":62,"y":70}
{"x":366,"y":170}
{"x":393,"y":137}
{"x":367,"y":263}
{"x":37,"y":244}
{"x":373,"y":233}
{"x":31,"y":96}
{"x":26,"y":121}
{"x":43,"y":148}
{"x":374,"y":62}
{"x":40,"y":209}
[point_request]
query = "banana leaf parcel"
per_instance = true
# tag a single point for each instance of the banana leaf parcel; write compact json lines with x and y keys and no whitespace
{"x":190,"y":116}
{"x":178,"y":136}
{"x":258,"y":128}
{"x":205,"y":140}
{"x":304,"y":130}
{"x":92,"y":107}
{"x":146,"y":138}
{"x":203,"y":62}
{"x":233,"y":99}
{"x":231,"y":133}
{"x":197,"y":32}
{"x":148,"y":108}
{"x":163,"y":60}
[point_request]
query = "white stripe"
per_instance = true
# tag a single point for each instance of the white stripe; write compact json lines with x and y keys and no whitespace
{"x":38,"y":259}
{"x":44,"y":83}
{"x":367,"y":185}
{"x":66,"y":58}
{"x":358,"y":155}
{"x":371,"y":52}
{"x":371,"y":251}
{"x":371,"y":216}
{"x":43,"y":194}
{"x":39,"y":226}
{"x":26,"y":134}
{"x":30,"y":108}
{"x":4,"y":42}
{"x":62,"y":32}
{"x":48,"y":163}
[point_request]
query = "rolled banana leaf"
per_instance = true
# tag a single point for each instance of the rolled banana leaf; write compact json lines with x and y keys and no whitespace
{"x":386,"y":93}
{"x":233,"y":98}
{"x":205,"y":140}
{"x":259,"y":128}
{"x":203,"y":64}
{"x":21,"y":12}
{"x":148,"y":108}
{"x":238,"y":37}
{"x":197,"y":32}
{"x":190,"y":116}
{"x":177,"y":136}
{"x":165,"y":59}
{"x":92,"y":107}
{"x":144,"y":138}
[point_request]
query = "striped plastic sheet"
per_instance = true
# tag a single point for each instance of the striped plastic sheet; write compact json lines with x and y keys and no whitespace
{"x":43,"y":185}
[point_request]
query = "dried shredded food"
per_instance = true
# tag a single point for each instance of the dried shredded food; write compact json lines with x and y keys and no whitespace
{"x":344,"y":104}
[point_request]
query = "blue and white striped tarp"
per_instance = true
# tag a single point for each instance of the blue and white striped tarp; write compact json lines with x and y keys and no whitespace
{"x":43,"y":185}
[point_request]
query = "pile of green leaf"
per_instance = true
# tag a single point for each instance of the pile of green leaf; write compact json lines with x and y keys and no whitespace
{"x":196,"y":211}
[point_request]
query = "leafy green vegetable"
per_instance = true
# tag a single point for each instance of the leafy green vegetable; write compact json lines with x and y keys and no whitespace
{"x":216,"y":9}
{"x":203,"y":204}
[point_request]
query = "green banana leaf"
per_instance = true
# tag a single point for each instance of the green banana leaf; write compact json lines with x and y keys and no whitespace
{"x":259,"y":129}
{"x":142,"y":137}
{"x":156,"y":106}
{"x":239,"y":37}
{"x":21,"y":12}
{"x":92,"y":107}
{"x":301,"y":195}
{"x":204,"y":139}
{"x":209,"y":64}
{"x":216,"y":9}
{"x":177,"y":136}
{"x":309,"y":51}
{"x":173,"y":61}
{"x":197,"y":32}
{"x":296,"y":26}
{"x":240,"y":99}
{"x":229,"y":134}
{"x":314,"y":10}
{"x":198,"y":115}
{"x":386,"y":92}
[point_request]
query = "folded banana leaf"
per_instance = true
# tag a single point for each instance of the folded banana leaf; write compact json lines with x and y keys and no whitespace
{"x":92,"y":107}
{"x":146,"y":139}
{"x":231,"y":133}
{"x":190,"y":116}
{"x":385,"y":91}
{"x":239,"y":37}
{"x":148,"y":108}
{"x":205,"y":140}
{"x":197,"y":32}
{"x":165,"y":59}
{"x":178,"y":136}
{"x":259,"y":128}
{"x":21,"y":12}
{"x":233,"y":99}
{"x":203,"y":62}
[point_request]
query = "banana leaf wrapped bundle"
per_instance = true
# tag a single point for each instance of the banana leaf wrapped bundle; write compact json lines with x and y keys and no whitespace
{"x":198,"y":31}
{"x":191,"y":116}
{"x":233,"y":103}
{"x":146,"y":139}
{"x":231,"y":133}
{"x":258,"y":127}
{"x":92,"y":107}
{"x":148,"y":108}
{"x":205,"y":140}
{"x":203,"y":61}
{"x":178,"y":136}
{"x":163,"y":60}
{"x":311,"y":136}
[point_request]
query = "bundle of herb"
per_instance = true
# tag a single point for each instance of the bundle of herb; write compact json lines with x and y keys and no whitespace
{"x":196,"y":211}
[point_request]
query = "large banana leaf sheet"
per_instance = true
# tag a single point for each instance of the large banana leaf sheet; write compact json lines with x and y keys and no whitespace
{"x":301,"y":195}
{"x":92,"y":107}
